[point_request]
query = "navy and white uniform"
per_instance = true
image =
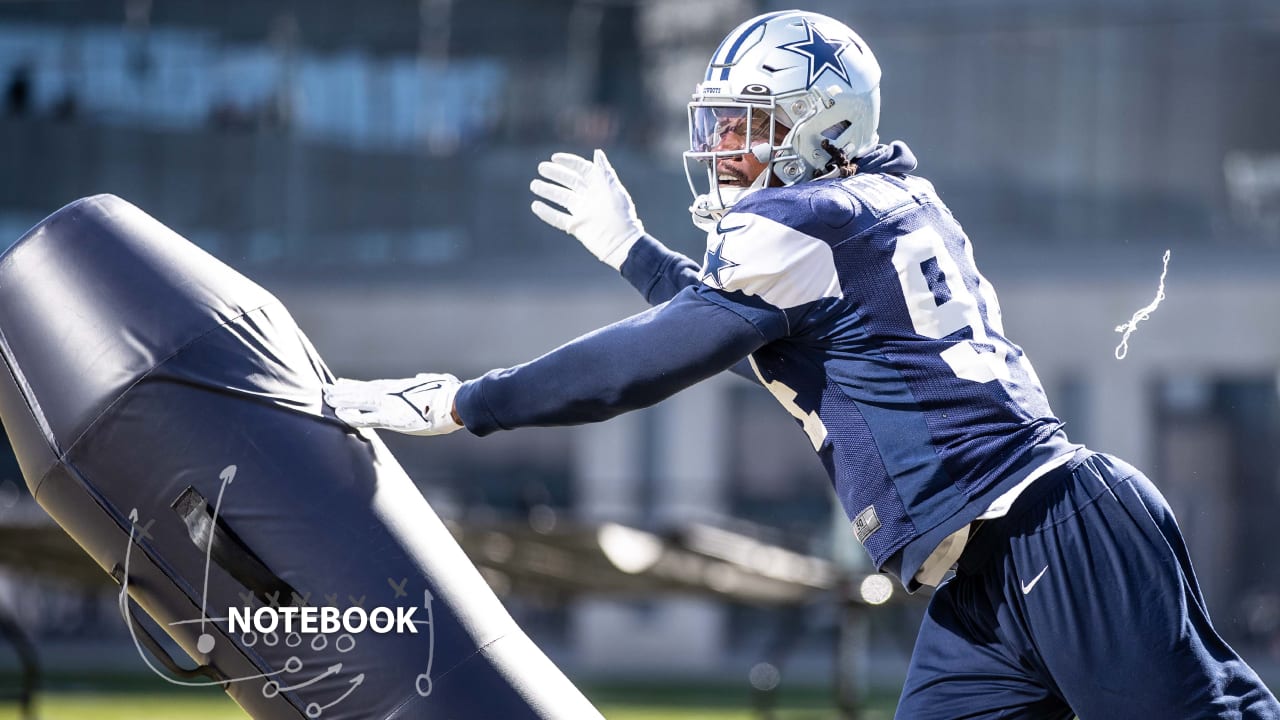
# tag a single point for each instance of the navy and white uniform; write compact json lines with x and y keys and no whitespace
{"x":861,"y":310}
{"x":857,"y":303}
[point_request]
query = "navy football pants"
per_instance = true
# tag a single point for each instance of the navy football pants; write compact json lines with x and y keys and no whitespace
{"x":1081,"y":602}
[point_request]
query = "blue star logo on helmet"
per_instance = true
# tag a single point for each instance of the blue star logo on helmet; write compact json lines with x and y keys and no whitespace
{"x":822,"y":54}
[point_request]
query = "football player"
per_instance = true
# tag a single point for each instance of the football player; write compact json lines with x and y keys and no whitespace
{"x":851,"y":292}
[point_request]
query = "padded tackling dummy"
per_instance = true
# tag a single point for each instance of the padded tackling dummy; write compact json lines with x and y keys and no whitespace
{"x":146,"y":379}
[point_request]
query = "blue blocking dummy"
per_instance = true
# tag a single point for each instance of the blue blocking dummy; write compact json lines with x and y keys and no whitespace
{"x":166,"y":411}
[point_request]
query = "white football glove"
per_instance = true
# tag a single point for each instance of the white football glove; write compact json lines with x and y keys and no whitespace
{"x":597,"y":209}
{"x":421,"y":405}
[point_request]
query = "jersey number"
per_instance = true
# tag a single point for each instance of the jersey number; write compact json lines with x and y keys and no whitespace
{"x":940,"y":304}
{"x":809,"y":420}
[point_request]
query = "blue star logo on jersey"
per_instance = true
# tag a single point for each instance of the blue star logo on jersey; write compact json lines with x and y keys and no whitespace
{"x":717,"y":262}
{"x":822,"y":54}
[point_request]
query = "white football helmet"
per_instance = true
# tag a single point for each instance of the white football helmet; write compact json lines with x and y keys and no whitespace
{"x":793,"y":72}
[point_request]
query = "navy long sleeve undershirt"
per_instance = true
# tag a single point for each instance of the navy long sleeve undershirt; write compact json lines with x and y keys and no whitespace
{"x":658,"y":273}
{"x":628,"y":365}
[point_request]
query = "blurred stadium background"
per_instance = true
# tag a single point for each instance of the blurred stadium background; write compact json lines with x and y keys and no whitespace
{"x":369,"y":164}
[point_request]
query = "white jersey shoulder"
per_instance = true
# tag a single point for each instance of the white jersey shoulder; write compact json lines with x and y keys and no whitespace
{"x":756,"y":255}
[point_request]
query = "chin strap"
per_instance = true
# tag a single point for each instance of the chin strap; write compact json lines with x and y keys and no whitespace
{"x":704,"y":217}
{"x":708,"y":208}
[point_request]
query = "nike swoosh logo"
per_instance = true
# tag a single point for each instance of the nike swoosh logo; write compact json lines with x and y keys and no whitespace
{"x":404,"y":395}
{"x":1026,"y":587}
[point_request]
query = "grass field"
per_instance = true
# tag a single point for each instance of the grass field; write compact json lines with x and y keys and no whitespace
{"x":128,"y":702}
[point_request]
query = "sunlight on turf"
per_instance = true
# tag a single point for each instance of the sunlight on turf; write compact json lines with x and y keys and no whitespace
{"x":130,"y":707}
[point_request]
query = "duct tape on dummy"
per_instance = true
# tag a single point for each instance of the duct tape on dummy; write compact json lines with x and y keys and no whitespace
{"x":166,"y":411}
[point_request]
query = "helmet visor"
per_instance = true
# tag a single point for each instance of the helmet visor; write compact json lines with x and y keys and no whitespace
{"x":728,"y":129}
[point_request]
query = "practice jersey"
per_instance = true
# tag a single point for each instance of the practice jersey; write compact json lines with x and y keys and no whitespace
{"x":872,"y":327}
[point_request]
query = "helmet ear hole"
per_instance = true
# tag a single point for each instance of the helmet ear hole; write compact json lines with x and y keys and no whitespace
{"x":835,"y":131}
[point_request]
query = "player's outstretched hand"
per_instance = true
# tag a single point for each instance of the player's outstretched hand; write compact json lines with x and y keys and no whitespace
{"x":597,"y":209}
{"x":421,"y":405}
